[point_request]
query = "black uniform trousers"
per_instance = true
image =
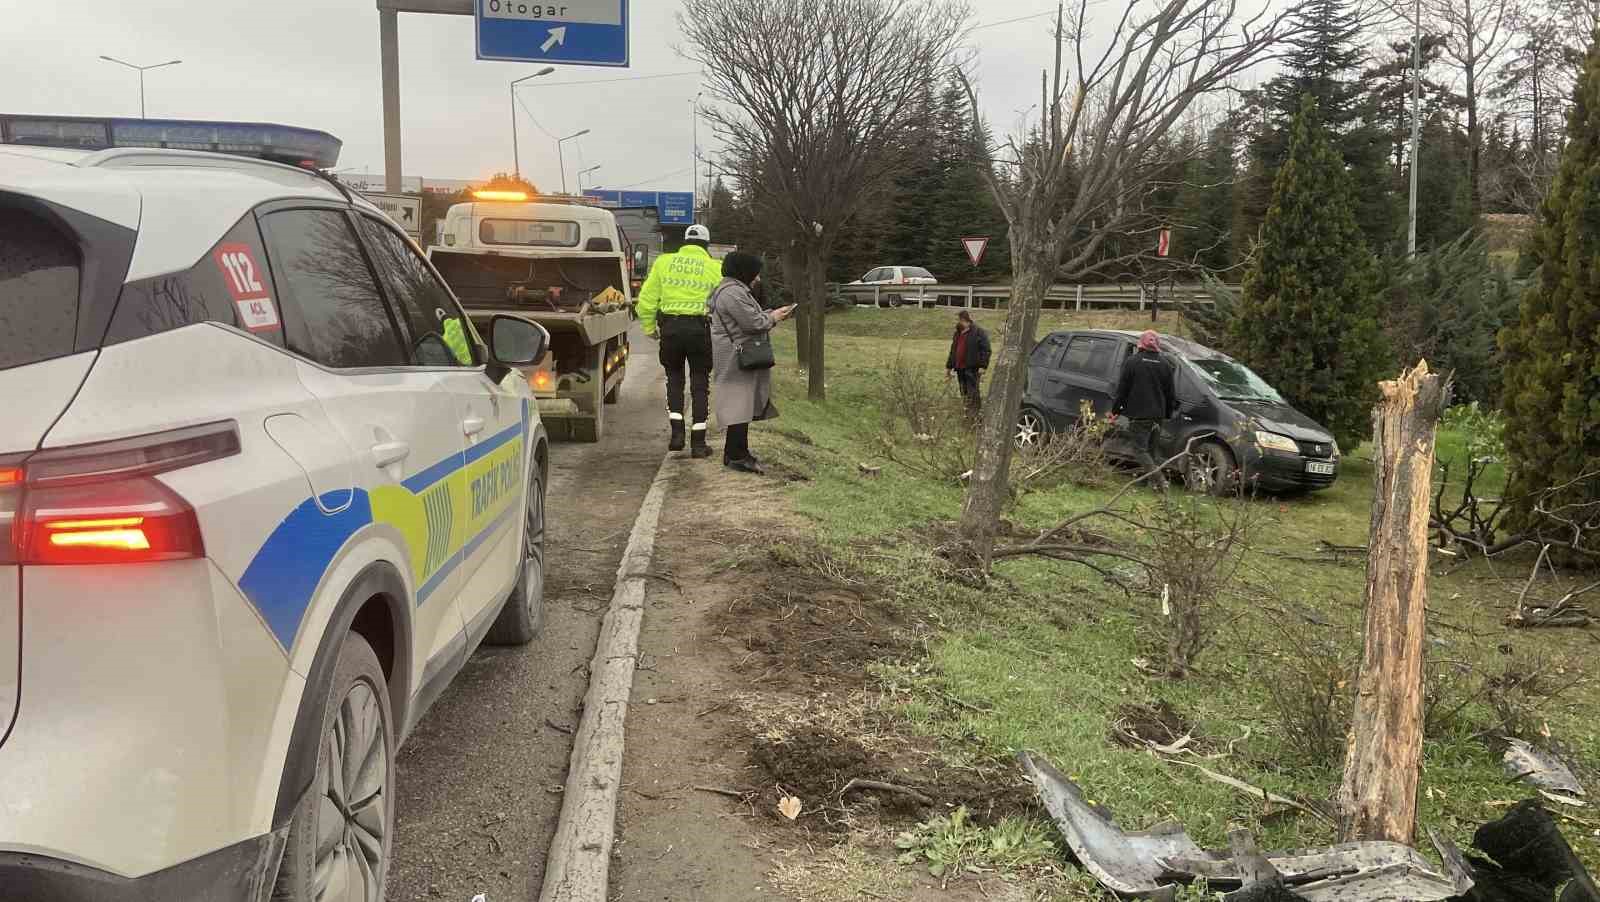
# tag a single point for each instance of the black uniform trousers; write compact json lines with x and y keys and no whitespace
{"x":686,"y":342}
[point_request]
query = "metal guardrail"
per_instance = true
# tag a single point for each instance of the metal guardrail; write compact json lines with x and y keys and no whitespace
{"x":1059,"y":297}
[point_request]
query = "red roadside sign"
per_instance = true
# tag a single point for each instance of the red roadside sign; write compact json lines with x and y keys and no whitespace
{"x":1164,"y":243}
{"x":975,"y":248}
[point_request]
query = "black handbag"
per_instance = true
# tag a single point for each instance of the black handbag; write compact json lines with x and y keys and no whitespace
{"x":754,"y":353}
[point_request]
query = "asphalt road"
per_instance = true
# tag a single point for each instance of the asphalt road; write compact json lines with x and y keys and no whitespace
{"x":481,"y":776}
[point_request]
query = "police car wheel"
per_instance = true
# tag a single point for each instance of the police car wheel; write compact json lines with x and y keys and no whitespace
{"x":342,"y":832}
{"x":523,"y":615}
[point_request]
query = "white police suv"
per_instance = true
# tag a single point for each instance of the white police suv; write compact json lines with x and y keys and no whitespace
{"x":262,"y":491}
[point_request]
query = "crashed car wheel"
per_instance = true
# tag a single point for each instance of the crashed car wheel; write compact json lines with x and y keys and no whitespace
{"x":1210,"y":470}
{"x":1031,"y":430}
{"x":342,"y":831}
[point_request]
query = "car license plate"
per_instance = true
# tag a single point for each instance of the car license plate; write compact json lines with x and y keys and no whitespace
{"x":1320,"y":467}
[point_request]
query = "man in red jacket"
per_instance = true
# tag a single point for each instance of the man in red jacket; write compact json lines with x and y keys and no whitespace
{"x":969,"y":357}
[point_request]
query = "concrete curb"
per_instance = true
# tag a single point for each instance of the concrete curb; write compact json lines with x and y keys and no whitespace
{"x":578,"y":867}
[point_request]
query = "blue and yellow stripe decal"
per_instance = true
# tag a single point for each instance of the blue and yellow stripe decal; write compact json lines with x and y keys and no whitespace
{"x":443,"y":514}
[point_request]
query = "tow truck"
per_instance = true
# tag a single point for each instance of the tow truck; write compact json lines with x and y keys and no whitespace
{"x":559,"y":261}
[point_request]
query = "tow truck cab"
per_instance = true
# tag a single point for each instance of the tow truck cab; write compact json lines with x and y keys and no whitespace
{"x":559,"y":261}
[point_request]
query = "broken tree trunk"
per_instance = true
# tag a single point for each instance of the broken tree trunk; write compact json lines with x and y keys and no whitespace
{"x":1378,"y":800}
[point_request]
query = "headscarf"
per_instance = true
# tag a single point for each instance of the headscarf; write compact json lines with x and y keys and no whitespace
{"x":1149,"y":341}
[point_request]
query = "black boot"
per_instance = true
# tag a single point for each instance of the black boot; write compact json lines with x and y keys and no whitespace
{"x":697,"y":442}
{"x":676,"y":443}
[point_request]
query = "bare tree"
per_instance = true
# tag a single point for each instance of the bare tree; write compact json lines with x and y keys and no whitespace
{"x":1536,"y":85}
{"x":816,"y":93}
{"x":1476,"y":34}
{"x":1076,"y":183}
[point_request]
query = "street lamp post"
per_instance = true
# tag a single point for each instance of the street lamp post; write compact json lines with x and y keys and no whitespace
{"x":1416,"y":125}
{"x":694,"y":155}
{"x":562,"y":159}
{"x":141,"y":70}
{"x":584,"y":172}
{"x":516,"y":155}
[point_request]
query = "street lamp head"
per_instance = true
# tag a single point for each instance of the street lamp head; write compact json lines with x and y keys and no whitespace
{"x":545,"y":71}
{"x":581,"y":134}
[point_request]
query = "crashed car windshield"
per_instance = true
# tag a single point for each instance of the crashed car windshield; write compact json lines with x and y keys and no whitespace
{"x":1233,"y":381}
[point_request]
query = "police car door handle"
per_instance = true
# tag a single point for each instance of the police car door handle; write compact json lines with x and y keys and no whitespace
{"x":472,"y":425}
{"x":387,"y":454}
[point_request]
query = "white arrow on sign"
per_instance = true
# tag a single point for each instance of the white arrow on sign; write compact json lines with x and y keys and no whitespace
{"x":558,"y":35}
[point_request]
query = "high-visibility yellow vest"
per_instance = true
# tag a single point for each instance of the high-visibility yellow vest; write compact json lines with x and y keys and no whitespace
{"x":679,"y":285}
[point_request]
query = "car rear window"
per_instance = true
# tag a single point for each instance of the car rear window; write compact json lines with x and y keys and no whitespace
{"x":917,"y":272}
{"x":40,"y":271}
{"x":229,"y":285}
{"x":529,"y":232}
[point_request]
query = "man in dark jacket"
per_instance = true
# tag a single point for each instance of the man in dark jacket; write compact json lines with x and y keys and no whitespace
{"x":969,"y":356}
{"x":1146,"y":396}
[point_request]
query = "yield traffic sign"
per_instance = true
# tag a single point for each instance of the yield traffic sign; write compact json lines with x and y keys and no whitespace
{"x":975,"y":248}
{"x":574,"y":32}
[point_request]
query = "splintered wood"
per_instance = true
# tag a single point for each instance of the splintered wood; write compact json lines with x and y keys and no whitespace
{"x":1378,"y":799}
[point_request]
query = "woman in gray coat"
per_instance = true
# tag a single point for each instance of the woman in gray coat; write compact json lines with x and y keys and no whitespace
{"x":740,"y":396}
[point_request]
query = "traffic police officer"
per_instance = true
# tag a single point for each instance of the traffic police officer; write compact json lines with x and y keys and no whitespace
{"x":672,"y":308}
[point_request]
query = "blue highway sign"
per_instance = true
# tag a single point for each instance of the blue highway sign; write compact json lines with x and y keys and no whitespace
{"x":677,"y":207}
{"x":672,"y":207}
{"x":570,"y":32}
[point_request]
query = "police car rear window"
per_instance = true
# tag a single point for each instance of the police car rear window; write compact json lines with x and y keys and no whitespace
{"x":529,"y":232}
{"x":40,"y":269}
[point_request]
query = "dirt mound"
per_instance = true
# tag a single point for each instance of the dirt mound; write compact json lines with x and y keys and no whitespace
{"x":817,"y":765}
{"x":806,"y":623}
{"x":814,"y":761}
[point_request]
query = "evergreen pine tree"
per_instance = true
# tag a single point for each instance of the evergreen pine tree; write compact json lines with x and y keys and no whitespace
{"x":1307,"y":319}
{"x":961,"y":204}
{"x":1446,"y":307}
{"x":1205,"y":204}
{"x":1552,"y":353}
{"x":1325,"y":61}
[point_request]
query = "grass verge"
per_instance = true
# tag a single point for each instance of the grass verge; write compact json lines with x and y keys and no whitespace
{"x":1045,"y":658}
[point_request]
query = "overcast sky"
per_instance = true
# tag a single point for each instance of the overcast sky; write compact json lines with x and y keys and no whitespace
{"x":314,"y":63}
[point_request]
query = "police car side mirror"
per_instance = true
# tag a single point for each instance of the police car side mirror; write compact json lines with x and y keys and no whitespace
{"x":515,"y":342}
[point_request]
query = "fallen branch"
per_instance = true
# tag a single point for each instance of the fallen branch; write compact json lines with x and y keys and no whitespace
{"x":730,"y":793}
{"x":1256,"y":791}
{"x":857,"y":783}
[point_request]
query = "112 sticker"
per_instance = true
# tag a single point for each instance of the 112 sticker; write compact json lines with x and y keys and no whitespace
{"x":242,"y":275}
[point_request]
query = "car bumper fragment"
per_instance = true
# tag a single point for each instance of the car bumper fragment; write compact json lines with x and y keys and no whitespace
{"x":243,"y":872}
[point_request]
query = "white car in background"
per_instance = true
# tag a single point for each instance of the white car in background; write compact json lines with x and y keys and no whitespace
{"x":262,"y":492}
{"x":898,"y":276}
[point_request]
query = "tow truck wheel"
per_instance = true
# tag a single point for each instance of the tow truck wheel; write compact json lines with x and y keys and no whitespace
{"x":523,"y":615}
{"x":342,"y":832}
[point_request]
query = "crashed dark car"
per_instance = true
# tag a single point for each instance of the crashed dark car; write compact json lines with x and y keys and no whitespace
{"x":1236,"y":425}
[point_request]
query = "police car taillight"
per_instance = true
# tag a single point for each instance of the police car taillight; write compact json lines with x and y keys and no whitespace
{"x":101,"y":503}
{"x":10,"y":505}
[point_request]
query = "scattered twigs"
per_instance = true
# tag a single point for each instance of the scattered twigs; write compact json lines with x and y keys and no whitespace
{"x":1562,"y":613}
{"x":858,"y":783}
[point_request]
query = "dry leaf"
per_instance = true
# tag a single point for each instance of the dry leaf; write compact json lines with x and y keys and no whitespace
{"x":789,"y":807}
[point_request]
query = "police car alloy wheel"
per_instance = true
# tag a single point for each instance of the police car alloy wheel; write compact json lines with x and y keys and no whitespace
{"x":523,"y":616}
{"x":342,"y":832}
